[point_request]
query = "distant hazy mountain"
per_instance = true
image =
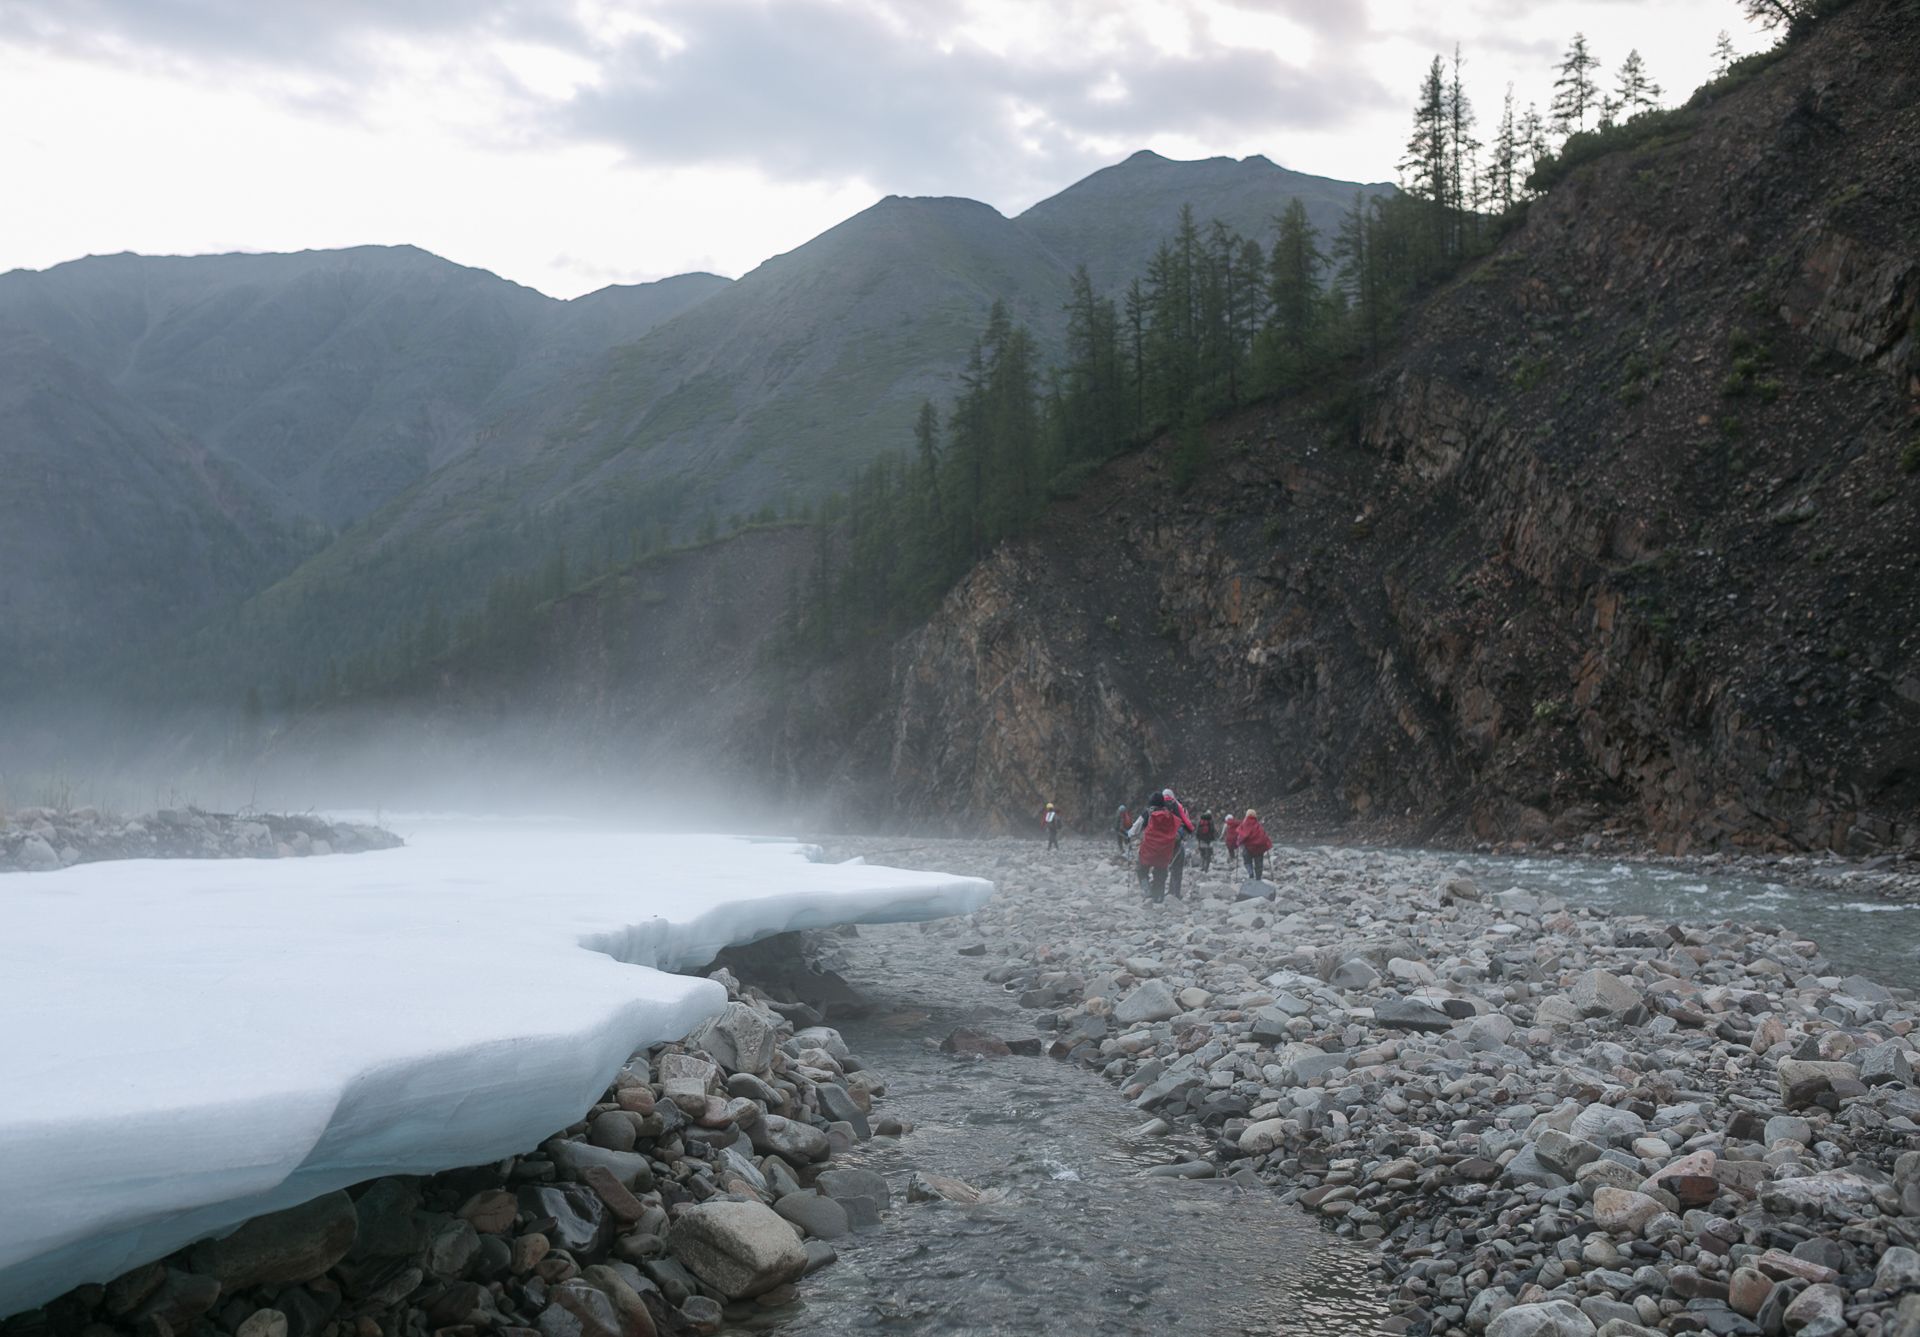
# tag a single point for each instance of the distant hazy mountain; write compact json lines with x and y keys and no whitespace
{"x":114,"y":527}
{"x":333,"y":378}
{"x":453,"y":426}
{"x":1112,"y":221}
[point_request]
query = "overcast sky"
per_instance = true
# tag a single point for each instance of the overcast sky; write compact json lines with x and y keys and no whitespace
{"x":568,"y":144}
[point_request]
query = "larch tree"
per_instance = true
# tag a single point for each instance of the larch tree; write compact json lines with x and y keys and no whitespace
{"x":1427,"y":168}
{"x":1635,"y":91}
{"x":1723,"y":56}
{"x":1463,"y":153}
{"x":1504,"y":170}
{"x":1533,"y":138}
{"x":1575,"y":96}
{"x":1788,"y":14}
{"x":1293,"y":279}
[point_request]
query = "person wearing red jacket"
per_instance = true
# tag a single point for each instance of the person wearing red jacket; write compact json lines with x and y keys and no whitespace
{"x":1204,"y":831}
{"x":1159,"y":843}
{"x":1254,"y":843}
{"x":1177,"y":871}
{"x":1233,"y":840}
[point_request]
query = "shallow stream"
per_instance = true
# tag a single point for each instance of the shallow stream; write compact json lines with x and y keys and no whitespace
{"x":1877,"y":938}
{"x":1085,"y":1241}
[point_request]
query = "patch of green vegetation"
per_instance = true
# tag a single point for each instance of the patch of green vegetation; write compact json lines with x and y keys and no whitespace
{"x":1751,"y":358}
{"x":1846,"y":195}
{"x":1273,"y":529}
{"x":1648,"y":132}
{"x":1910,"y":457}
{"x":1547,"y":708}
{"x":1531,"y":371}
{"x":1112,"y":623}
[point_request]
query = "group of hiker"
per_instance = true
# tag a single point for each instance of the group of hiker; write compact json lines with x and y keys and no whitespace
{"x":1163,"y":829}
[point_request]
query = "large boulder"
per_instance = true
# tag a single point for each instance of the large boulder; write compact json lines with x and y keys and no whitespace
{"x":36,"y":855}
{"x":294,"y":1245}
{"x":1555,"y":1318}
{"x":790,"y":1139}
{"x":740,"y":1249}
{"x":1405,"y":1014}
{"x":740,"y":1039}
{"x":1804,"y":1081}
{"x":1152,"y":1001}
{"x":1601,"y":993}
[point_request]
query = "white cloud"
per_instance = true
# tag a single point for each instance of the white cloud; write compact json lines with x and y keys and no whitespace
{"x":559,"y":143}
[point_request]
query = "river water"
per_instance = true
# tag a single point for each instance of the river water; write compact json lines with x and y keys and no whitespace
{"x":1877,"y":938}
{"x":1085,"y":1241}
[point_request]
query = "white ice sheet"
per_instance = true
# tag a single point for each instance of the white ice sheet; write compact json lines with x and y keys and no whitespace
{"x":185,"y":1044}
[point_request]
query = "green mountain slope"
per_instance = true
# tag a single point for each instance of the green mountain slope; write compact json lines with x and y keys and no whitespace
{"x":115,"y":528}
{"x":333,"y":378}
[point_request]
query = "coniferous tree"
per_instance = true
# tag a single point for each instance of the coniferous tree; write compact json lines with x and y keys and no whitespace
{"x":1636,"y":91}
{"x":1790,"y":14}
{"x":1426,"y":168}
{"x":1533,"y":138}
{"x":1251,"y":307}
{"x":1504,"y":170}
{"x":926,"y":445}
{"x":1575,"y":96}
{"x":1463,"y":153}
{"x":1293,"y":289}
{"x":1136,"y":318}
{"x":1360,"y":272}
{"x":1723,"y":56}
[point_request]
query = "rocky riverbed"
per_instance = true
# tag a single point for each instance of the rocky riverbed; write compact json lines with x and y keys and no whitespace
{"x":41,"y":839}
{"x":1546,"y":1119}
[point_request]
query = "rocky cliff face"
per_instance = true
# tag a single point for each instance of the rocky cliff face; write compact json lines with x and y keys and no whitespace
{"x":1624,"y":537}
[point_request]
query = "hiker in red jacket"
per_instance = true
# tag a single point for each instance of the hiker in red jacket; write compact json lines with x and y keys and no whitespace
{"x":1159,"y":842}
{"x":1204,"y":832}
{"x":1255,"y":842}
{"x":1177,"y":870}
{"x":1233,"y":840}
{"x":1123,"y":827}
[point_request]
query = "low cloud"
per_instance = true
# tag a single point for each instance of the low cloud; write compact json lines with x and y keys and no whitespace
{"x":912,"y":95}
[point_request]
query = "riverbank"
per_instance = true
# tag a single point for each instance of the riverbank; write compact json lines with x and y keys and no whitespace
{"x":42,"y":839}
{"x":1578,"y":1121}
